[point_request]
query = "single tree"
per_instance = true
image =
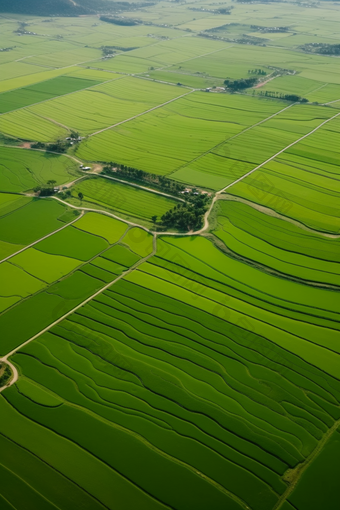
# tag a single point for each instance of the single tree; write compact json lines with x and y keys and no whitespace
{"x":154,"y":218}
{"x":80,"y":195}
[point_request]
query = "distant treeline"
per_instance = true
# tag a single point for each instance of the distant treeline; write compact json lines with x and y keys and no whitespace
{"x":287,"y":97}
{"x":66,"y":7}
{"x":124,"y":22}
{"x":108,"y":50}
{"x":323,"y":49}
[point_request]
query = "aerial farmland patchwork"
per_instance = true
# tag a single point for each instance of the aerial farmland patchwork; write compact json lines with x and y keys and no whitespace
{"x":169,"y":255}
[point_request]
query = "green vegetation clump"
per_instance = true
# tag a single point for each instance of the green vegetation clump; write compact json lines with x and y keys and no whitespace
{"x":294,"y":98}
{"x":321,"y":48}
{"x":188,"y":215}
{"x":241,"y":84}
{"x":5,"y":374}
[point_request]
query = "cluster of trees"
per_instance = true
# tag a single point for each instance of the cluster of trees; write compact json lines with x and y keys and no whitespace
{"x":269,"y":30}
{"x":8,"y":49}
{"x":108,"y":50}
{"x":241,"y":84}
{"x":287,"y":97}
{"x":46,"y":190}
{"x":323,"y":49}
{"x":5,"y":374}
{"x":260,"y":72}
{"x":133,"y":174}
{"x":60,"y":145}
{"x":67,"y":7}
{"x":188,"y":215}
{"x":124,"y":22}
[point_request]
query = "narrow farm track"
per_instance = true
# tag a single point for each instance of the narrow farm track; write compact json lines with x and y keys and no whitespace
{"x":141,"y":114}
{"x":93,"y":296}
{"x":299,"y":470}
{"x":42,"y":238}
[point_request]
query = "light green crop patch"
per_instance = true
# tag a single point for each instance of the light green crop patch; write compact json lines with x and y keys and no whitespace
{"x":102,"y":226}
{"x":16,"y":282}
{"x":139,"y":241}
{"x":45,"y":266}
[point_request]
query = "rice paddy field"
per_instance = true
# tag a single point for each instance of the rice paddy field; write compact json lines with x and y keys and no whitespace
{"x":155,"y":367}
{"x":132,"y":202}
{"x":24,"y":170}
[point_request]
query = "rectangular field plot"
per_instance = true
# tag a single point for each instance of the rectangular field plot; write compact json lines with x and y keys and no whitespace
{"x":302,"y":183}
{"x":28,"y":126}
{"x":42,"y":92}
{"x":167,"y":139}
{"x":61,"y":271}
{"x":107,"y":104}
{"x":132,"y":202}
{"x":22,"y":170}
{"x":103,"y":226}
{"x":229,"y":161}
{"x":30,"y":221}
{"x":169,"y":364}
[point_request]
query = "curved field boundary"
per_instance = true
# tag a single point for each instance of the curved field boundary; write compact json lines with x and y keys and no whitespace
{"x":270,"y":212}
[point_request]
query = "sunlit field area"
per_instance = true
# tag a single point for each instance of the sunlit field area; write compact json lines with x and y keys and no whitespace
{"x":170,"y":256}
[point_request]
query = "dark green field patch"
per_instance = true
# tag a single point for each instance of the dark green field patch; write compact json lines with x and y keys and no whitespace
{"x":42,"y":92}
{"x":75,"y":243}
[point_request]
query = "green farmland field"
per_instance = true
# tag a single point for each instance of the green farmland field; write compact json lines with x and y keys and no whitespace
{"x":170,"y":255}
{"x":132,"y":202}
{"x":22,"y":170}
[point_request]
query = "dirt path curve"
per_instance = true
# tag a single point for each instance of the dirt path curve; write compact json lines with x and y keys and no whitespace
{"x":42,"y":238}
{"x":14,"y":371}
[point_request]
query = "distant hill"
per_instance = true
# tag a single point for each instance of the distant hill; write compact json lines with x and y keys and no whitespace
{"x":63,"y":7}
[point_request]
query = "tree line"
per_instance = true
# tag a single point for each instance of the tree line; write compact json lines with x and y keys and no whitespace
{"x":134,"y":174}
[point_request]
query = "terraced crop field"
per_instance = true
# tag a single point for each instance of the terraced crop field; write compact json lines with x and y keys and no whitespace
{"x":170,"y":258}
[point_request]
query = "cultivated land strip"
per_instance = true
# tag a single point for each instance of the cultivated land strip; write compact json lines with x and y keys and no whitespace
{"x":42,"y":238}
{"x":234,"y":136}
{"x":271,"y":212}
{"x":56,"y":97}
{"x":143,"y":113}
